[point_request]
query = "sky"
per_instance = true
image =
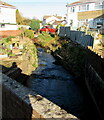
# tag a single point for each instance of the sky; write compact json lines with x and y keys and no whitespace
{"x":40,"y":8}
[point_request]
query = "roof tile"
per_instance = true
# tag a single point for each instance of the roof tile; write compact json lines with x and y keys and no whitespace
{"x":5,"y":4}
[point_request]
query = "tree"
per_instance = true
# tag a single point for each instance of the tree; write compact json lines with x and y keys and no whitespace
{"x":35,"y":24}
{"x":19,"y":18}
{"x":27,"y":21}
{"x":22,"y":20}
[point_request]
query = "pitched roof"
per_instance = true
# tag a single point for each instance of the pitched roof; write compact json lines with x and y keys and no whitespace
{"x":57,"y":22}
{"x":90,"y":14}
{"x":6,"y":4}
{"x":74,"y":3}
{"x":45,"y":17}
{"x":83,"y":1}
{"x":59,"y":17}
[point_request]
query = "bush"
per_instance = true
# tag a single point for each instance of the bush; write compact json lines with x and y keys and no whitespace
{"x":11,"y":54}
{"x":35,"y":24}
{"x":8,"y":39}
{"x":28,"y":33}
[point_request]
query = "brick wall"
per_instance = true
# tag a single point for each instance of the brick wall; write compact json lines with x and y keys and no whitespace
{"x":8,"y":33}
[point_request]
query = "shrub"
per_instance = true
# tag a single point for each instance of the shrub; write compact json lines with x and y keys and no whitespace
{"x":11,"y":54}
{"x":28,"y":33}
{"x":35,"y":24}
{"x":8,"y":39}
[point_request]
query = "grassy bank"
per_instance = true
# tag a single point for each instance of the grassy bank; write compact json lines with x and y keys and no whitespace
{"x":48,"y":41}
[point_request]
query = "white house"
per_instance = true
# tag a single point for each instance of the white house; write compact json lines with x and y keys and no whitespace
{"x":51,"y":19}
{"x":85,"y":12}
{"x":7,"y":17}
{"x":56,"y":23}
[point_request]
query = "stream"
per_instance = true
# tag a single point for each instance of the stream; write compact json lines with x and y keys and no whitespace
{"x":53,"y":82}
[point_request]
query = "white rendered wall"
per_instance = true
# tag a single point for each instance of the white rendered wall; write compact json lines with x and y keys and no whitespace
{"x":48,"y":20}
{"x":74,"y":17}
{"x":7,"y":15}
{"x":9,"y":27}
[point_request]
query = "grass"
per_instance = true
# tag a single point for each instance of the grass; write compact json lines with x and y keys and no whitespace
{"x":45,"y":37}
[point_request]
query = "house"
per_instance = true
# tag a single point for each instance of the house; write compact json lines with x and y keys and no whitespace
{"x":56,"y":23}
{"x":7,"y":17}
{"x":86,"y":13}
{"x":51,"y":19}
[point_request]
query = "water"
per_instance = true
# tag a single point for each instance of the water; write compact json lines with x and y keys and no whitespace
{"x":56,"y":84}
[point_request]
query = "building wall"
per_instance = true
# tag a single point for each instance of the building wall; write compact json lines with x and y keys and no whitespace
{"x":8,"y":33}
{"x":7,"y":15}
{"x":84,"y":13}
{"x":51,"y":19}
{"x":73,"y":20}
{"x":8,"y":27}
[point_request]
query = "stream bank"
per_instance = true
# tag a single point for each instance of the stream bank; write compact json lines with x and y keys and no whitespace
{"x":56,"y":84}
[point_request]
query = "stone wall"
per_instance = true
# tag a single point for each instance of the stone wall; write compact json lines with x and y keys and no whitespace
{"x":18,"y":102}
{"x":94,"y":78}
{"x":95,"y":85}
{"x":96,"y":62}
{"x":72,"y":56}
{"x":88,"y":67}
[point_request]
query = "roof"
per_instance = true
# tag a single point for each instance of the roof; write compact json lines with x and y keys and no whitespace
{"x":83,"y":1}
{"x":57,"y":22}
{"x":101,"y":16}
{"x":6,"y":4}
{"x":45,"y":17}
{"x":90,"y":14}
{"x":59,"y":17}
{"x":75,"y":3}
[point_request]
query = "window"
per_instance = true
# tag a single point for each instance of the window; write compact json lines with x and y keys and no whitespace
{"x":71,"y":22}
{"x":83,"y":7}
{"x":87,"y":7}
{"x":79,"y":8}
{"x":72,"y":9}
{"x":2,"y":25}
{"x":99,"y":5}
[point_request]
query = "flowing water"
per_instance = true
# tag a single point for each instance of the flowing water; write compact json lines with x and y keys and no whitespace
{"x":56,"y":84}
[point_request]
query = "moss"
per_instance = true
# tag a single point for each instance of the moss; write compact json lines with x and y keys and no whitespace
{"x":11,"y":54}
{"x":73,"y":58}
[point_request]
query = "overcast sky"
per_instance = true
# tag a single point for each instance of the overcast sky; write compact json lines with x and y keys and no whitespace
{"x":39,"y":8}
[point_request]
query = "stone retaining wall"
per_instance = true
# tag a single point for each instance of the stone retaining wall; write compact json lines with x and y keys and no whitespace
{"x":95,"y":85}
{"x":91,"y":72}
{"x":18,"y":102}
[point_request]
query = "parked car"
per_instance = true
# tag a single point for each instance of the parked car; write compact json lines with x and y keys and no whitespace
{"x":48,"y":29}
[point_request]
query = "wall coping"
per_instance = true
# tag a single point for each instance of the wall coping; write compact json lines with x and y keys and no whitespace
{"x":39,"y":104}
